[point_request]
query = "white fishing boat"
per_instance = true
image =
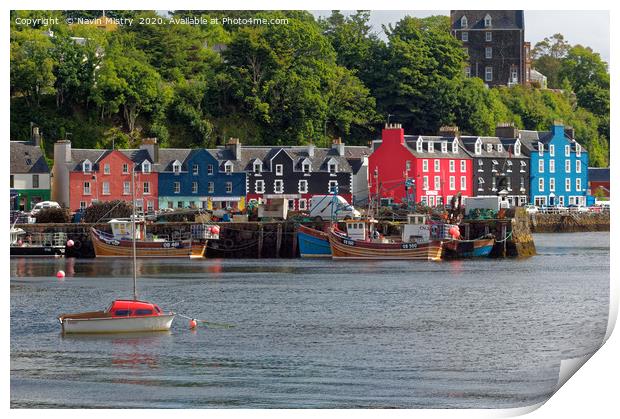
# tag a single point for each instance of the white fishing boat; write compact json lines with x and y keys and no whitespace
{"x":122,"y":315}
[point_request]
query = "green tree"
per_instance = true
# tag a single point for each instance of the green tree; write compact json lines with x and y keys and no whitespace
{"x":32,"y":65}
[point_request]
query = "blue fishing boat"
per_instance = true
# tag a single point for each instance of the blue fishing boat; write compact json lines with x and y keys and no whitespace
{"x":458,"y":249}
{"x":313,"y":243}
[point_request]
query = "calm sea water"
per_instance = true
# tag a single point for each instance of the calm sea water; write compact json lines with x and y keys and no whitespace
{"x":315,"y":334}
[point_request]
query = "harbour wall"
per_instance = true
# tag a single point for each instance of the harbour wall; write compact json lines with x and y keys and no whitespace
{"x":569,"y":222}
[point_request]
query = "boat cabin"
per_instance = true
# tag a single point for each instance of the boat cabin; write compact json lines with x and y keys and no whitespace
{"x":121,"y":228}
{"x":416,"y":229}
{"x":364,"y":230}
{"x":132,"y":308}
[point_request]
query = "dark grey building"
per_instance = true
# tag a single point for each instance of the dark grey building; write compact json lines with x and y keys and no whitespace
{"x":494,"y":41}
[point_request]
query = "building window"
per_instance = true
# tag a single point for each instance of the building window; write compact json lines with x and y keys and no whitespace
{"x":82,"y":204}
{"x":194,"y":169}
{"x":452,"y":183}
{"x":541,"y":149}
{"x":463,"y":165}
{"x":464,"y":36}
{"x":489,"y":148}
{"x":567,"y":150}
{"x":523,"y":165}
{"x":106,"y":169}
{"x":468,"y":71}
{"x":170,"y":204}
{"x":488,"y":36}
{"x":509,"y":163}
{"x":578,"y":185}
{"x":333,"y":168}
{"x":126,"y":188}
{"x":431,"y":147}
{"x":463,"y":183}
{"x":478,"y":147}
{"x":425,"y":183}
{"x":125,"y":168}
{"x":303,"y":186}
{"x":146,"y":167}
{"x":258,"y":167}
{"x":86,"y":188}
{"x":487,"y":21}
{"x":552,"y":185}
{"x":179,"y":204}
{"x":278,"y":186}
{"x":577,"y":166}
{"x":552,"y":166}
{"x":303,"y":204}
{"x":464,"y":22}
{"x":105,"y":188}
{"x":455,"y":146}
{"x":408,"y":165}
{"x":493,"y":184}
{"x":35,"y":181}
{"x":425,"y":165}
{"x":541,"y":166}
{"x":551,"y":150}
{"x":437,"y":183}
{"x":452,"y":166}
{"x":259,"y":186}
{"x":418,"y":145}
{"x":146,"y":188}
{"x":567,"y":166}
{"x":210,"y":169}
{"x":307,"y":167}
{"x":176,"y":168}
{"x":522,"y":187}
{"x":228,"y":167}
{"x":228,"y":187}
{"x":194,"y":187}
{"x":444,"y":147}
{"x":87,"y":166}
{"x":210,"y":187}
{"x":480,"y":165}
{"x":578,"y":150}
{"x":480,"y":183}
{"x":488,"y":73}
{"x":541,"y":184}
{"x":488,"y":52}
{"x":437,"y":165}
{"x":149,"y":206}
{"x":500,"y":148}
{"x":517,"y":148}
{"x":177,"y":187}
{"x":568,"y":185}
{"x":495,"y":164}
{"x":333,"y":186}
{"x":279,"y":169}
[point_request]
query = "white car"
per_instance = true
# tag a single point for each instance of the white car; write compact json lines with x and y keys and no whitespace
{"x":44,"y":205}
{"x":531,"y":209}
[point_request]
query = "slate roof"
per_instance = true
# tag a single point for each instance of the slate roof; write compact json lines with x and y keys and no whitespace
{"x":411,"y":143}
{"x":598,"y":174}
{"x":469,"y":143}
{"x":530,"y":139}
{"x":500,"y":19}
{"x":27,"y":158}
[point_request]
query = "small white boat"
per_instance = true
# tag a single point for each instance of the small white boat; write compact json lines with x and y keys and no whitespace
{"x":122,"y":316}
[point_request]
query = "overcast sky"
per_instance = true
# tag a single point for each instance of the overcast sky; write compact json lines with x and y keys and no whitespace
{"x":589,"y":28}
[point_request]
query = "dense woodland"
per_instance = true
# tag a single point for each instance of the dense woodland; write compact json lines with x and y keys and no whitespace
{"x":310,"y":80}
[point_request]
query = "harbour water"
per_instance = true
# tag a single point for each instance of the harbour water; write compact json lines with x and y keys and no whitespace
{"x":314,"y":333}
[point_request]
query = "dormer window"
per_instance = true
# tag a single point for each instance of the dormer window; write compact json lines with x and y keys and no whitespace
{"x":444,"y":147}
{"x":176,"y":167}
{"x":487,"y":21}
{"x":541,"y":149}
{"x":332,"y":167}
{"x":87,"y":166}
{"x":500,"y":148}
{"x":478,"y":146}
{"x":489,"y":148}
{"x":518,"y":148}
{"x":306,"y":167}
{"x":146,"y":167}
{"x":431,"y":147}
{"x":418,"y":145}
{"x":578,"y":149}
{"x":228,"y":167}
{"x":455,"y":146}
{"x":464,"y":22}
{"x":258,"y":166}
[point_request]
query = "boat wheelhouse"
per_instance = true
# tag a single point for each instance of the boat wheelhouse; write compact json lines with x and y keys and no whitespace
{"x":37,"y":244}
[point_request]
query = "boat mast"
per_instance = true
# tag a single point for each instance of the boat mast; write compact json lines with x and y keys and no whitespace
{"x":133,"y":230}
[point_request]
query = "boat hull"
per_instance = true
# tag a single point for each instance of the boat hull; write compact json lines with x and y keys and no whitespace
{"x":110,"y":247}
{"x":345,"y":248}
{"x":160,"y":323}
{"x":37,"y":251}
{"x":458,"y":249}
{"x":313,"y":243}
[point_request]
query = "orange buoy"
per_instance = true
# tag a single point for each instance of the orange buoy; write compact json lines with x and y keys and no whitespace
{"x":193,"y":323}
{"x":60,"y":274}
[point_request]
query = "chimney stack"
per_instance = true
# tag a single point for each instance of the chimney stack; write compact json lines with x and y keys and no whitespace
{"x":338,"y":145}
{"x":35,"y":136}
{"x":310,"y":150}
{"x":235,"y":146}
{"x":393,"y":133}
{"x":150,"y":145}
{"x":570,"y":132}
{"x":506,"y":130}
{"x":449,"y":131}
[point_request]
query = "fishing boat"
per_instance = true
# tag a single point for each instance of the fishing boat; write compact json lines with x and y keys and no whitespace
{"x":458,"y":249}
{"x":122,"y":315}
{"x":313,"y":243}
{"x":37,"y":244}
{"x":120,"y":242}
{"x":362,"y":241}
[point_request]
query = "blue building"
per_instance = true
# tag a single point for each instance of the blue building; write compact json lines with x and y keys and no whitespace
{"x":558,"y":167}
{"x":197,"y":179}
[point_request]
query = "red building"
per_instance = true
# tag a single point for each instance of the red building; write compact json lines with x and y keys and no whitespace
{"x":105,"y":175}
{"x":427,"y":169}
{"x":599,"y":182}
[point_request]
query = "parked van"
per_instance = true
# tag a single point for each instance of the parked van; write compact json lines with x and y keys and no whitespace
{"x":321,"y":208}
{"x":44,"y":205}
